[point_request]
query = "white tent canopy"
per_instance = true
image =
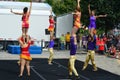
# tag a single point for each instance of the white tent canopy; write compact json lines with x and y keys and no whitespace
{"x":37,"y":8}
{"x":20,"y":5}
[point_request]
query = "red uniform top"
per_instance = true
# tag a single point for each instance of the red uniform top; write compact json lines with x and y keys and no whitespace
{"x":25,"y":22}
{"x":51,"y":26}
{"x":25,"y":51}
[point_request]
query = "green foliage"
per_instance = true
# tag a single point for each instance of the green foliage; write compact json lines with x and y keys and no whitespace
{"x":62,"y":6}
{"x":110,"y":7}
{"x":24,"y":0}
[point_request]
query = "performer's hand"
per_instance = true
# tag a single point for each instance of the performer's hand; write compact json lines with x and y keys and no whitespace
{"x":105,"y":15}
{"x":89,"y":6}
{"x":72,"y":13}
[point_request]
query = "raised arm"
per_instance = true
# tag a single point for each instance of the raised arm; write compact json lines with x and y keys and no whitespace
{"x":20,"y":42}
{"x":77,"y":8}
{"x":51,"y":11}
{"x":101,"y":16}
{"x":16,"y":12}
{"x":89,"y":9}
{"x":78,"y":4}
{"x":30,"y":7}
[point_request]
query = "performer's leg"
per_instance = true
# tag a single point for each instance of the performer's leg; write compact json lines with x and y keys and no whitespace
{"x":24,"y":31}
{"x":18,"y":62}
{"x":51,"y":33}
{"x":93,"y":60}
{"x":69,"y":67}
{"x":51,"y":56}
{"x":72,"y":65}
{"x":28,"y":67}
{"x":92,"y":31}
{"x":86,"y":61}
{"x":22,"y":66}
{"x":74,"y":30}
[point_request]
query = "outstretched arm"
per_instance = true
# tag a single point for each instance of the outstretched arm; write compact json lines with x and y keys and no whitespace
{"x":30,"y":7}
{"x":101,"y":16}
{"x":16,"y":12}
{"x":89,"y":9}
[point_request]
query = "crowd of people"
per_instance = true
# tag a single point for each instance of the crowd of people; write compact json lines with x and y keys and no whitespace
{"x":108,"y":44}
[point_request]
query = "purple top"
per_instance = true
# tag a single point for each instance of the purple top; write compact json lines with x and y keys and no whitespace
{"x":73,"y":47}
{"x":92,"y":22}
{"x":91,"y":44}
{"x":51,"y":44}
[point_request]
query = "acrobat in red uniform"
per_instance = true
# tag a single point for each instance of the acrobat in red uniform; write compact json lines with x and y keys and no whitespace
{"x":52,"y":22}
{"x":25,"y":21}
{"x":25,"y":51}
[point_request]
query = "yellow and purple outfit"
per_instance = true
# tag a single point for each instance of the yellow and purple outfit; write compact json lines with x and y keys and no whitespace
{"x":71,"y":64}
{"x":90,"y":55}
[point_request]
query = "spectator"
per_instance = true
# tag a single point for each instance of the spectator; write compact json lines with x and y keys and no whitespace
{"x":62,"y":42}
{"x":105,"y":40}
{"x":67,"y":39}
{"x":97,"y":42}
{"x":84,"y":39}
{"x":78,"y":41}
{"x":101,"y":46}
{"x":112,"y":51}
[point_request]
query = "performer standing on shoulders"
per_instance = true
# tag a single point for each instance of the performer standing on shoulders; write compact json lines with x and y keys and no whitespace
{"x":93,"y":17}
{"x":25,"y":18}
{"x":77,"y":17}
{"x":52,"y":23}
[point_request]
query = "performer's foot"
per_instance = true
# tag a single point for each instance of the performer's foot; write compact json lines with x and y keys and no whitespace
{"x":28,"y":75}
{"x":50,"y":63}
{"x":83,"y":68}
{"x":69,"y":76}
{"x":77,"y":77}
{"x":95,"y":69}
{"x":20,"y":75}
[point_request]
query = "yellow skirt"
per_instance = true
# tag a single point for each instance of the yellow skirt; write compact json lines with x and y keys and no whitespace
{"x":22,"y":56}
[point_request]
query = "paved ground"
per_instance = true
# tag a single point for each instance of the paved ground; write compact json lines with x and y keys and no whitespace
{"x":109,"y":68}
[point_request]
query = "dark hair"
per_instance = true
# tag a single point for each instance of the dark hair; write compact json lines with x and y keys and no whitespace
{"x":90,"y":36}
{"x":50,"y":16}
{"x":77,"y":9}
{"x":25,"y":10}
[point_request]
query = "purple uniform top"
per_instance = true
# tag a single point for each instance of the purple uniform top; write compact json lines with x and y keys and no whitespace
{"x":73,"y":46}
{"x":51,"y":44}
{"x":91,"y":44}
{"x":92,"y":22}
